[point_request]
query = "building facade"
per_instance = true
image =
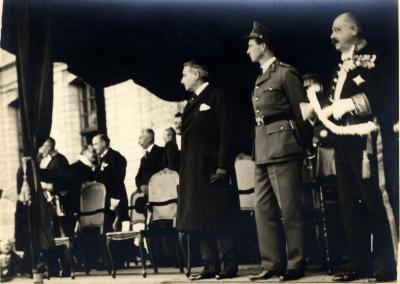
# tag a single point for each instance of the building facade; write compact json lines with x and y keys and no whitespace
{"x":80,"y":112}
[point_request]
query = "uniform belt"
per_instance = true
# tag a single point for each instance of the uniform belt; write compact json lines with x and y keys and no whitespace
{"x":265,"y":120}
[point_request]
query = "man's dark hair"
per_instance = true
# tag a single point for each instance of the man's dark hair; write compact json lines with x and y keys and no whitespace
{"x":52,"y":142}
{"x":151,"y":132}
{"x":172,"y":130}
{"x":200,"y":67}
{"x":104,"y":138}
{"x":269,"y":46}
{"x":178,"y":114}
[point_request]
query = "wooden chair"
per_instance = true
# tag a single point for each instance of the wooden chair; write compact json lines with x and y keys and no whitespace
{"x":137,"y":224}
{"x":162,"y":205}
{"x":91,"y":215}
{"x":244,"y":168}
{"x":63,"y":239}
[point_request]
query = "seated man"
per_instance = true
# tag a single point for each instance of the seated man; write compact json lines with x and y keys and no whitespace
{"x":111,"y":172}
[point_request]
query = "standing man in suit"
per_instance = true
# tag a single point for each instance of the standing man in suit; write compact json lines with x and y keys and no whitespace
{"x":207,"y":203}
{"x":54,"y":170}
{"x":356,"y":96}
{"x":177,"y":127}
{"x":171,"y":151}
{"x":111,"y":172}
{"x":278,"y":151}
{"x":151,"y":162}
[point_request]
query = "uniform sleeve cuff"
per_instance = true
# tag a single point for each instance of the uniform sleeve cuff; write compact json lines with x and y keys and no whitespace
{"x":361,"y":103}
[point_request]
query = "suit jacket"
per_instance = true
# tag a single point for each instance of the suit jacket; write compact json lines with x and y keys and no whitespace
{"x":206,"y":141}
{"x":363,"y":86}
{"x":111,"y":173}
{"x":171,"y":156}
{"x":149,"y":165}
{"x":79,"y":173}
{"x":56,"y":172}
{"x":279,"y":92}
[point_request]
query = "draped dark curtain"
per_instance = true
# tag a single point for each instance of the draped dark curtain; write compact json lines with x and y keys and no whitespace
{"x":35,"y":90}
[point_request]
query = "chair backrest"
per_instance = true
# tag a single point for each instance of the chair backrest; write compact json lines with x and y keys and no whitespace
{"x":93,"y":197}
{"x":244,"y":168}
{"x":163,"y":194}
{"x":135,"y":216}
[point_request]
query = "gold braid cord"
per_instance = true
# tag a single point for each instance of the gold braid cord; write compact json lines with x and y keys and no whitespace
{"x":356,"y":129}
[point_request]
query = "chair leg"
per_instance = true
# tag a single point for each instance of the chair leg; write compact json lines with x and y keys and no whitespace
{"x":328,"y":260}
{"x":110,"y":258}
{"x":149,"y":247}
{"x":186,"y":256}
{"x":178,"y":254}
{"x":142,"y":256}
{"x":69,"y":258}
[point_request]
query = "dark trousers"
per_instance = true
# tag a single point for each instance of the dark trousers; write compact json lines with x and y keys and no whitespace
{"x":279,"y":215}
{"x":362,"y":209}
{"x":218,"y":251}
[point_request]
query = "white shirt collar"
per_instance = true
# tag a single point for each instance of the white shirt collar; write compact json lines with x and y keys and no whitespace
{"x":267,"y":63}
{"x":104,"y":153}
{"x":85,"y":161}
{"x":148,"y":150}
{"x":348,"y":54}
{"x":201,"y":88}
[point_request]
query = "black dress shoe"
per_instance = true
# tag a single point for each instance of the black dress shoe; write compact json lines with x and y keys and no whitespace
{"x":226,"y":275}
{"x":291,"y":274}
{"x":348,"y":276}
{"x":265,"y":274}
{"x":202,"y":275}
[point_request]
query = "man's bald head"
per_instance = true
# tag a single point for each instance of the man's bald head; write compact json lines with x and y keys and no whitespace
{"x":346,"y":31}
{"x":353,"y":20}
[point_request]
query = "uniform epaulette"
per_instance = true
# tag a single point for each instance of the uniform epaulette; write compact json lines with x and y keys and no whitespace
{"x":284,"y":64}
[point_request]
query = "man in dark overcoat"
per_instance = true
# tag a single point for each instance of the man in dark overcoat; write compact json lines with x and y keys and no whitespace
{"x":207,"y":203}
{"x":111,"y":172}
{"x":280,"y":138}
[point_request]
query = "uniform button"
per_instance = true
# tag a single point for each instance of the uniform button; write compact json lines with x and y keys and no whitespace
{"x":281,"y":127}
{"x":333,"y":87}
{"x":257,"y":87}
{"x":335,"y":80}
{"x":257,"y":110}
{"x":270,"y":89}
{"x":256,"y":98}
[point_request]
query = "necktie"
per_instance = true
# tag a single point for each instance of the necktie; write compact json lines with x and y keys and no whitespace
{"x":146,"y":154}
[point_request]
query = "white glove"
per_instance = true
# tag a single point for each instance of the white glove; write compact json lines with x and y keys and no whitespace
{"x":341,"y":107}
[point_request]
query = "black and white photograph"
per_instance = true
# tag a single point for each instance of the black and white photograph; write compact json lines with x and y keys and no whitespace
{"x":181,"y":141}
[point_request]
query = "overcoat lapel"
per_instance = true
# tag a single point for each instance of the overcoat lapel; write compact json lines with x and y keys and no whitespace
{"x":190,"y":108}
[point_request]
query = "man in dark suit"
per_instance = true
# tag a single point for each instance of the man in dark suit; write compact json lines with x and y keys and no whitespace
{"x":54,"y":170}
{"x":357,"y":95}
{"x":280,"y":137}
{"x":171,"y":151}
{"x":111,"y":172}
{"x":207,"y":203}
{"x":80,"y":172}
{"x":151,"y":162}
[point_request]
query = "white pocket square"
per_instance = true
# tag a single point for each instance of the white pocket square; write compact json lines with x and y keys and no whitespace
{"x":204,"y":107}
{"x":358,"y":80}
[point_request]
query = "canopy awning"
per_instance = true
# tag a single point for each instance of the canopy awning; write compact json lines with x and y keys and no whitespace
{"x":107,"y":42}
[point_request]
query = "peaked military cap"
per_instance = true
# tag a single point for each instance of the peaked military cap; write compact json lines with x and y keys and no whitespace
{"x":262,"y":33}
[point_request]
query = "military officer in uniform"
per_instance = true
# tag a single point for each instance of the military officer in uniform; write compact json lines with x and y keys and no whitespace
{"x":280,"y":138}
{"x":357,"y":97}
